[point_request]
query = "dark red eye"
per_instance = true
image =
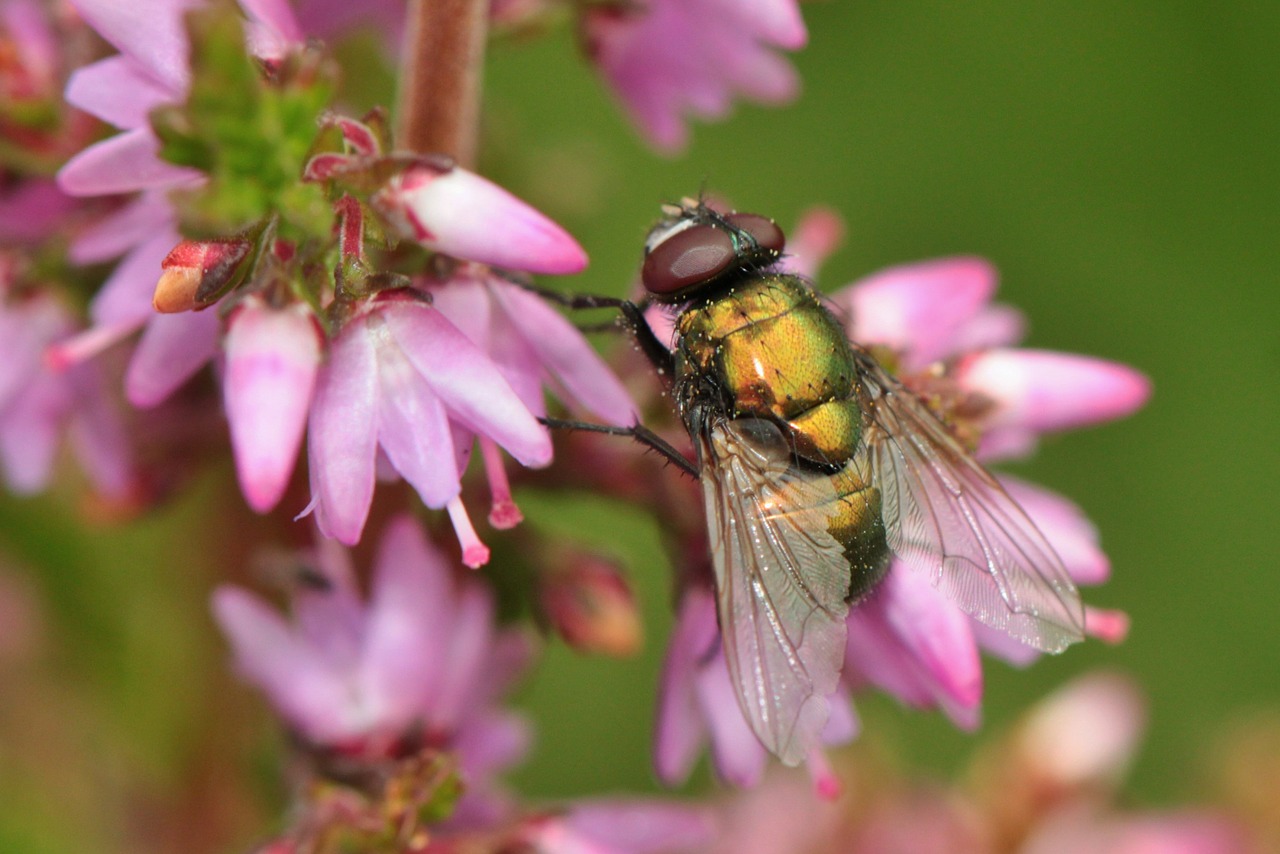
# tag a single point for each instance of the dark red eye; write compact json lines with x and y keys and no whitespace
{"x":763,"y":229}
{"x":687,"y":258}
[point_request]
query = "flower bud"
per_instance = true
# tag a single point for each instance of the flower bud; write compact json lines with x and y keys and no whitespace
{"x":588,"y":602}
{"x":196,"y":272}
{"x":458,"y":213}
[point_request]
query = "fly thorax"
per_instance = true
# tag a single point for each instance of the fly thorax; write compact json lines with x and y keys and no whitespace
{"x":776,"y":352}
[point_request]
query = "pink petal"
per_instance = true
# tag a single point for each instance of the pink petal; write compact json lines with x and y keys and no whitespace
{"x":272,"y":358}
{"x":1043,"y":390}
{"x":995,"y":325}
{"x":123,"y":163}
{"x":469,"y":305}
{"x":30,"y":32}
{"x":679,"y":730}
{"x":777,"y":22}
{"x":461,"y":214}
{"x":33,"y":208}
{"x":997,"y":643}
{"x":638,"y":827}
{"x":405,"y":635}
{"x":26,"y":329}
{"x":737,"y":754}
{"x":567,"y":355}
{"x":469,"y":384}
{"x":819,"y":232}
{"x":128,"y":226}
{"x":934,"y":632}
{"x":1085,"y":733}
{"x":29,"y":429}
{"x":342,"y":434}
{"x":492,"y":742}
{"x":843,"y":725}
{"x":470,"y":637}
{"x":330,"y":616}
{"x":1068,"y":530}
{"x":413,"y":429}
{"x":1189,"y":832}
{"x":125,"y":297}
{"x":918,"y":309}
{"x":272,"y":29}
{"x":98,"y":435}
{"x":309,"y":694}
{"x":172,"y":349}
{"x":118,"y":91}
{"x":519,"y":363}
{"x":152,"y":33}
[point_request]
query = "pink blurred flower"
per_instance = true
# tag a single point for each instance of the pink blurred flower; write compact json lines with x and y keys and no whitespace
{"x":620,"y":827}
{"x":420,"y":664}
{"x":1048,"y":787}
{"x":1188,"y":832}
{"x":670,"y":59}
{"x":38,"y":405}
{"x":402,"y":378}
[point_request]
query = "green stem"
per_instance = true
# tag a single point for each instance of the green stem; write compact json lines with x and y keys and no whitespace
{"x":439,"y":108}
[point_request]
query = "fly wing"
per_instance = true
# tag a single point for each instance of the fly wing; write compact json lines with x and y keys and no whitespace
{"x":781,"y":582}
{"x":946,"y":516}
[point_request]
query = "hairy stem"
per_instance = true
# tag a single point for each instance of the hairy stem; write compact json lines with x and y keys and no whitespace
{"x":439,"y":108}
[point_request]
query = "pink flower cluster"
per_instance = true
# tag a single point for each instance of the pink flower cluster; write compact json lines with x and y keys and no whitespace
{"x":1048,"y":787}
{"x":669,"y":59}
{"x":420,"y":664}
{"x":381,"y":381}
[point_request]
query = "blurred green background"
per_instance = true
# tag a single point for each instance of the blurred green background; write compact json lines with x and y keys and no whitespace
{"x":1119,"y":163}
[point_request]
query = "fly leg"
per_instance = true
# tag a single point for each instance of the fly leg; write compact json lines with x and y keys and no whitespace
{"x":639,"y":432}
{"x":631,"y":318}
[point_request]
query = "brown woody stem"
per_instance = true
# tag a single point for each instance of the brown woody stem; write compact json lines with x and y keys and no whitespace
{"x":440,"y":78}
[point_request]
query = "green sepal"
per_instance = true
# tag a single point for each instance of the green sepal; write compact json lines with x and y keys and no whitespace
{"x":248,"y":127}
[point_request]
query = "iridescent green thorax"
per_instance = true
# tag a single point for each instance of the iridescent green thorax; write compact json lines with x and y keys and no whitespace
{"x":767,"y":348}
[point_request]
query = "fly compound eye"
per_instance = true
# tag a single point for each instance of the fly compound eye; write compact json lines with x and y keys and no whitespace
{"x":686,"y":259}
{"x":764,"y":230}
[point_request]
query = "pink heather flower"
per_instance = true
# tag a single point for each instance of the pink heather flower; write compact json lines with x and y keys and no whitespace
{"x":670,"y":59}
{"x":781,"y":815}
{"x":697,"y":704}
{"x":39,"y":405}
{"x":534,"y":346}
{"x":402,"y":378}
{"x":272,"y":358}
{"x":420,"y":664}
{"x":1188,"y":832}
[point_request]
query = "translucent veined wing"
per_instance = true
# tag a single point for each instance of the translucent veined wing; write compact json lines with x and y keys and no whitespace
{"x":945,"y":515}
{"x":781,"y":582}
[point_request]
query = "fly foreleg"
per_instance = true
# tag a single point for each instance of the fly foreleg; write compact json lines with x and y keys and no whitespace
{"x":638,"y":432}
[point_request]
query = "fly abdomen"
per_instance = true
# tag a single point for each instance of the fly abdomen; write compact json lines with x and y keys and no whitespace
{"x":855,"y":520}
